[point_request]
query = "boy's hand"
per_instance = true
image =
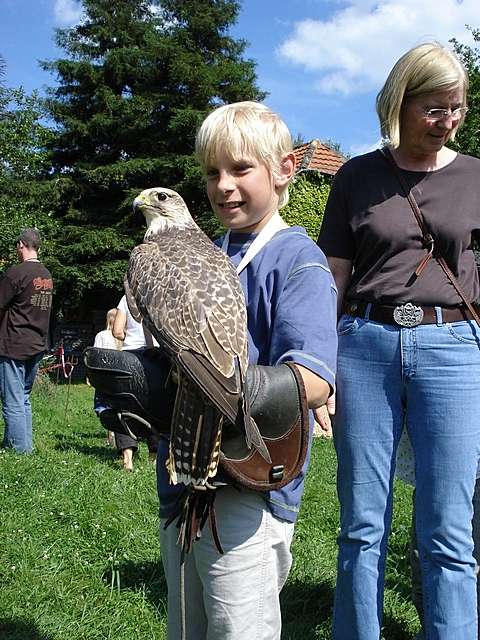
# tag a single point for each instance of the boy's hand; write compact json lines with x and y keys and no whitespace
{"x":322,"y":417}
{"x":316,"y":388}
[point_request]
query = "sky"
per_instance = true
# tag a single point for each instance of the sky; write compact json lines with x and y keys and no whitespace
{"x":322,"y":62}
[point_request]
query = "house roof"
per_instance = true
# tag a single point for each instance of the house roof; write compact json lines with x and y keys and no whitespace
{"x":316,"y":156}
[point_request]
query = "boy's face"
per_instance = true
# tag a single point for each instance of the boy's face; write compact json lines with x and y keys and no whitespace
{"x":242,"y":193}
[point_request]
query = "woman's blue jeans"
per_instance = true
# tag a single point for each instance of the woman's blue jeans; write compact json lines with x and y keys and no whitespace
{"x":429,"y":377}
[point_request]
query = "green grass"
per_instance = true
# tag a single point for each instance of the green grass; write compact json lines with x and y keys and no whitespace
{"x":79,"y":552}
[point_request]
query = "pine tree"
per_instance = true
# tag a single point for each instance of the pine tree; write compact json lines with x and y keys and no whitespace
{"x":138,"y":80}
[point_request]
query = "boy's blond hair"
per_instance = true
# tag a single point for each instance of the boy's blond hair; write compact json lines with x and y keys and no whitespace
{"x":427,"y":68}
{"x":245,"y":130}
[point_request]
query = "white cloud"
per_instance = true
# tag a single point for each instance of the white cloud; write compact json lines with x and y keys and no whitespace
{"x":67,"y":12}
{"x":353,"y":50}
{"x":360,"y":149}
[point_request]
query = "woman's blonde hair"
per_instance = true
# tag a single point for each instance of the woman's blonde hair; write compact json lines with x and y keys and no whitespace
{"x":427,"y":68}
{"x":110,"y":319}
{"x":245,"y":130}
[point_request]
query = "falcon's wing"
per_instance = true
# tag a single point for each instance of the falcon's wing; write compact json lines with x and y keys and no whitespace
{"x":189,"y":294}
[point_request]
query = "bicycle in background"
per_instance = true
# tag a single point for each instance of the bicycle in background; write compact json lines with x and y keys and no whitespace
{"x":58,"y":364}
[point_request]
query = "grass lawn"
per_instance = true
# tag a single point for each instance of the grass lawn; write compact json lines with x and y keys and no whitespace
{"x":80,"y":557}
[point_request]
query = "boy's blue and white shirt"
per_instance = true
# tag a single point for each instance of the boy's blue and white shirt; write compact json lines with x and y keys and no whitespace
{"x":291,"y":304}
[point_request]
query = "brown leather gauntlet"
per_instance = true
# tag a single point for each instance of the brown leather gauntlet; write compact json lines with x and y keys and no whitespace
{"x":137,"y":385}
{"x":279,"y":407}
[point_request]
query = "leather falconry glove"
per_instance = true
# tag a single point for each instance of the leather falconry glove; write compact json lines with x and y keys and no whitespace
{"x":279,"y":407}
{"x":278,"y":404}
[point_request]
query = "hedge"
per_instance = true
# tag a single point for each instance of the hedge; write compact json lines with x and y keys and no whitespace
{"x":308,"y":197}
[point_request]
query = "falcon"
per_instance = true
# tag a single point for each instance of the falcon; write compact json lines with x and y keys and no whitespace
{"x":188,"y":294}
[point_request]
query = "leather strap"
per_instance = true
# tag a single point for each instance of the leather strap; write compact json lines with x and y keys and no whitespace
{"x":428,"y":239}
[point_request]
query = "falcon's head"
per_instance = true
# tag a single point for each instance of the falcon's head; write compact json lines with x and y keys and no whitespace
{"x":163,"y":209}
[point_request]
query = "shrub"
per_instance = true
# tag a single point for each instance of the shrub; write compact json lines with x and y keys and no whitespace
{"x":308,"y":197}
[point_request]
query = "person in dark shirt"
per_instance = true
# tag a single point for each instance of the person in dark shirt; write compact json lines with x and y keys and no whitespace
{"x":408,"y":348}
{"x":25,"y":304}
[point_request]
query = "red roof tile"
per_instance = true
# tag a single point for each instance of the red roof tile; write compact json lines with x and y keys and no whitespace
{"x":316,"y":156}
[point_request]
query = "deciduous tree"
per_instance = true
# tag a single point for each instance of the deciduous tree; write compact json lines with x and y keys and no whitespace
{"x":468,"y":137}
{"x":26,"y":192}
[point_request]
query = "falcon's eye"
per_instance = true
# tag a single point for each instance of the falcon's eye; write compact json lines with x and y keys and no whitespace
{"x":162,"y":196}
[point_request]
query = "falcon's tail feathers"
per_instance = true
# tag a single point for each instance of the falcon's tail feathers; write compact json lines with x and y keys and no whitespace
{"x":195,"y":439}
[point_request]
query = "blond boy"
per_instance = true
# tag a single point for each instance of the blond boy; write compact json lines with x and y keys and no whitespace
{"x":245,"y":151}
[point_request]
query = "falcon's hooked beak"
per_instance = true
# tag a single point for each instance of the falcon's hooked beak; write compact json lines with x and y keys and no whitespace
{"x":138,"y":207}
{"x":139,"y":202}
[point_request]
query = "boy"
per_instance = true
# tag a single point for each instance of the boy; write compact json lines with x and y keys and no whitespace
{"x":245,"y":151}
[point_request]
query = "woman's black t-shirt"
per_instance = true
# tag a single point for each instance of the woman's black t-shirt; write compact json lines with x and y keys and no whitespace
{"x":368,"y":220}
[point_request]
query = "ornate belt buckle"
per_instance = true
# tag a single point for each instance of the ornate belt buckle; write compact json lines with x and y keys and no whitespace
{"x":408,"y":315}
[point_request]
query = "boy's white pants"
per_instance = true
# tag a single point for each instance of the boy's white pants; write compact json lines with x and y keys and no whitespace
{"x":234,"y":596}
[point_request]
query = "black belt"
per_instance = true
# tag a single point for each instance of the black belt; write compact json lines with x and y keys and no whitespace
{"x":407,"y":314}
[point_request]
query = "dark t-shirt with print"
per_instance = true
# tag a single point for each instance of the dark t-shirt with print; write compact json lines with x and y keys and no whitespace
{"x":368,"y":220}
{"x":25,"y":302}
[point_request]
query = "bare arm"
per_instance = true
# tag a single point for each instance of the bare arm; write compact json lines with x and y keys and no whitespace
{"x":119,"y":325}
{"x":342,"y":272}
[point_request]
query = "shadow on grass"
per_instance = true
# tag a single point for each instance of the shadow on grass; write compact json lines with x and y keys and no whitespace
{"x":304,"y":607}
{"x":147,"y":577}
{"x":103,"y":453}
{"x":20,"y":630}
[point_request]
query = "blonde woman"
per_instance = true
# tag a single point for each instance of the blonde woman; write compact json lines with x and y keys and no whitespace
{"x":408,"y":348}
{"x":105,"y":339}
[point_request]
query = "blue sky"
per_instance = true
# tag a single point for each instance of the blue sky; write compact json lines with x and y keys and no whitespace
{"x":322,"y":61}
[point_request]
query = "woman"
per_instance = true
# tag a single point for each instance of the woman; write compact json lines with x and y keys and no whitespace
{"x":134,"y":337}
{"x":418,"y":364}
{"x":405,"y":471}
{"x":106,"y":340}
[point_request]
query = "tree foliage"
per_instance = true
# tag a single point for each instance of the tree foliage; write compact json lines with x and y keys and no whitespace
{"x":2,"y":68}
{"x":26,"y":191}
{"x":23,"y":138}
{"x":467,"y":139}
{"x":138,"y":79}
{"x":308,"y":197}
